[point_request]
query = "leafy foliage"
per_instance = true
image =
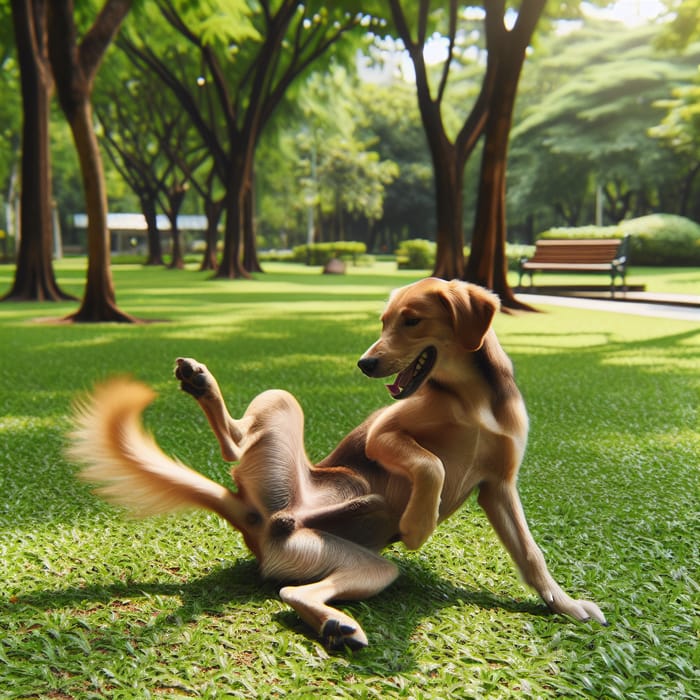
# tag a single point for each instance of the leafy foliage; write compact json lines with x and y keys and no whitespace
{"x":584,"y":124}
{"x":656,"y":239}
{"x":663,"y":239}
{"x":321,"y":253}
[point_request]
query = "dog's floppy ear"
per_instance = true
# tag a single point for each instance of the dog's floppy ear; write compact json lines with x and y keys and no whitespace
{"x":472,"y":309}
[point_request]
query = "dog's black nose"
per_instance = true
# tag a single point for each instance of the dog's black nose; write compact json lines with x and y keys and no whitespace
{"x":368,"y":365}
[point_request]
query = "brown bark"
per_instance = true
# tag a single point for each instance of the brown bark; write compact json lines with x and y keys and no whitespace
{"x":34,"y":275}
{"x":99,"y":301}
{"x":74,"y":67}
{"x":250,"y":246}
{"x":449,"y":158}
{"x":155,"y":249}
{"x":213,"y":211}
{"x":487,"y":264}
{"x":231,"y":266}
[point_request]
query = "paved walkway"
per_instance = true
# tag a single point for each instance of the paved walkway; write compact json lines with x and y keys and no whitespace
{"x":680,"y":307}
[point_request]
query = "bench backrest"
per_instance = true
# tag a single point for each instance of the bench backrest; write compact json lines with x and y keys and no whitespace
{"x":602,"y":250}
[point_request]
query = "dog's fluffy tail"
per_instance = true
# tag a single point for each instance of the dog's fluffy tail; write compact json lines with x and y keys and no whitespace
{"x":109,"y":440}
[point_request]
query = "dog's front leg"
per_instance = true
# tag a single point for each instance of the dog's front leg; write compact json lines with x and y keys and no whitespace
{"x":502,"y":505}
{"x":199,"y":382}
{"x":399,"y":453}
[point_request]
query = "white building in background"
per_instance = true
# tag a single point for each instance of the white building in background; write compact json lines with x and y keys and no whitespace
{"x":128,"y":232}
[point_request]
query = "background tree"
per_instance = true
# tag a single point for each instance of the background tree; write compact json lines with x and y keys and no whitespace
{"x":490,"y":117}
{"x":601,"y":86}
{"x":155,"y":148}
{"x":392,"y":123}
{"x":132,"y":148}
{"x":248,"y":61}
{"x":34,"y":276}
{"x":506,"y":49}
{"x":75,"y":64}
{"x":679,"y":131}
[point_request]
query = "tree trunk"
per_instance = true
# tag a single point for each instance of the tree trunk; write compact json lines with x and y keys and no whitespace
{"x":155,"y":250}
{"x":99,"y":301}
{"x":213,"y":211}
{"x":488,"y":264}
{"x":74,"y":68}
{"x":231,"y":264}
{"x":34,"y":275}
{"x":449,"y":178}
{"x":250,"y":244}
{"x":176,"y":196}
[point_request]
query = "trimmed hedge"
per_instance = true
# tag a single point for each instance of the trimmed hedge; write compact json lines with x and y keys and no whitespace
{"x":664,"y":240}
{"x":655,"y":240}
{"x":416,"y":254}
{"x":419,"y":254}
{"x":321,"y":253}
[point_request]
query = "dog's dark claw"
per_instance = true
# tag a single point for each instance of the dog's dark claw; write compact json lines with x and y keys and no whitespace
{"x":337,"y":636}
{"x":184,"y":369}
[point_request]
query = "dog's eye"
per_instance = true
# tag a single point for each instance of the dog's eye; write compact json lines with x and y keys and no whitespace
{"x":411,"y":321}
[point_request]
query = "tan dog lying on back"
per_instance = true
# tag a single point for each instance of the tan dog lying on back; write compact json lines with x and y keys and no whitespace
{"x":458,"y":423}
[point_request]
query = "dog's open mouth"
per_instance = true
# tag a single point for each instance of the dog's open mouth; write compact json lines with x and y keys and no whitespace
{"x":408,"y":380}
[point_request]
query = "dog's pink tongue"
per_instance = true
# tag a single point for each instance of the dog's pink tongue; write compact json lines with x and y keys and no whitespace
{"x":395,"y":388}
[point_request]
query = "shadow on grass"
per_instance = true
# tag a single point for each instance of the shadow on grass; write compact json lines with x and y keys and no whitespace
{"x":390,"y":618}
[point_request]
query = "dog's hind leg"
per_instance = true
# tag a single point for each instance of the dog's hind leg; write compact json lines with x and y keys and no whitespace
{"x":199,"y":382}
{"x":345,"y":571}
{"x":502,"y":505}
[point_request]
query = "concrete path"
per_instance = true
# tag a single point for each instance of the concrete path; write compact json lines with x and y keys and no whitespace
{"x":654,"y":307}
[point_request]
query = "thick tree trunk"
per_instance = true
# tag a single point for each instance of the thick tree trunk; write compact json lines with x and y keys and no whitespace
{"x":176,"y":196}
{"x":231,"y":261}
{"x":449,"y":175}
{"x":34,"y":275}
{"x":99,"y":301}
{"x":250,"y":244}
{"x":74,"y":67}
{"x":488,"y":265}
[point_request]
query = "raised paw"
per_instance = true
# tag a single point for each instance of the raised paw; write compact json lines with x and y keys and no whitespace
{"x":193,"y":376}
{"x":337,"y":635}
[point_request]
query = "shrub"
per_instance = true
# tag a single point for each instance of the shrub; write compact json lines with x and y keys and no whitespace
{"x":515,"y":252}
{"x":416,"y":254}
{"x":583,"y":232}
{"x":663,"y":239}
{"x":657,"y":239}
{"x":321,"y":253}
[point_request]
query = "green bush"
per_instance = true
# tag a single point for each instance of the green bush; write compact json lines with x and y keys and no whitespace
{"x":321,"y":253}
{"x":663,"y":240}
{"x":419,"y":254}
{"x":655,"y":240}
{"x":583,"y":232}
{"x":416,"y":254}
{"x":515,"y":252}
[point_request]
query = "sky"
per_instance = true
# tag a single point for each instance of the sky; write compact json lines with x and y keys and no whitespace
{"x":630,"y":12}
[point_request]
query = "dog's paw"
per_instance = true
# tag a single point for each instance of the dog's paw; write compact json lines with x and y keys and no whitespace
{"x":193,"y":376}
{"x":581,"y":610}
{"x":338,"y":634}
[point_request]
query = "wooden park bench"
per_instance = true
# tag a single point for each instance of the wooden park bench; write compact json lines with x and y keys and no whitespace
{"x":584,"y":255}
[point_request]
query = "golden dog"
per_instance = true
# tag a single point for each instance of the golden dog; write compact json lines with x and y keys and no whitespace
{"x":459,"y":423}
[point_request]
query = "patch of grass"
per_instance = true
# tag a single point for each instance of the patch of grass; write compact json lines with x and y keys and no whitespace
{"x":93,"y":605}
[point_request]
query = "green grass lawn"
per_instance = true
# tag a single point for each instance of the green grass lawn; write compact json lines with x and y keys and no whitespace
{"x":96,"y":605}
